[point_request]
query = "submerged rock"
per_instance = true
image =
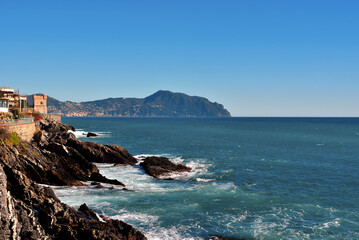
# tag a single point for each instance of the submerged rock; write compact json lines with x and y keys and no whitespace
{"x":159,"y":167}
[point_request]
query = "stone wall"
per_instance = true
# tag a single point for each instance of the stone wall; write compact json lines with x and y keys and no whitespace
{"x":26,"y":131}
{"x":51,"y":116}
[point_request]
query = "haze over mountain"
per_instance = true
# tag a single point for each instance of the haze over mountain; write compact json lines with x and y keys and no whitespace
{"x":159,"y":104}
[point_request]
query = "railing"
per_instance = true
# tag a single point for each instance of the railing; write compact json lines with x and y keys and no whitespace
{"x":26,"y":110}
{"x":16,"y":121}
{"x":23,"y":110}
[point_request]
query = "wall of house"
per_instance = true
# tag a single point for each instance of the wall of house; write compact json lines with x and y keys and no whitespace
{"x":26,"y":131}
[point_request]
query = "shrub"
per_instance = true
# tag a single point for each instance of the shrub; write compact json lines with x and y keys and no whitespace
{"x":15,"y":113}
{"x":14,"y":138}
{"x":10,"y":139}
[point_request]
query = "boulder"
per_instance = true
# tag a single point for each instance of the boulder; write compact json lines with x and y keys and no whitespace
{"x":159,"y":167}
{"x":97,"y":177}
{"x":89,"y":213}
{"x":91,"y":134}
{"x":99,"y":153}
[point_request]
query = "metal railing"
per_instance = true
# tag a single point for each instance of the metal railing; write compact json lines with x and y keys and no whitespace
{"x":16,"y":121}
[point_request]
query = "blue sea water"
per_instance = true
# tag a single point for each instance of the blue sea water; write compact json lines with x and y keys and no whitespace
{"x":256,"y":178}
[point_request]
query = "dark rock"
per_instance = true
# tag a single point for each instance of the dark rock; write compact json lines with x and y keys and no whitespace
{"x":99,"y":178}
{"x":89,"y":213}
{"x":40,"y":138}
{"x":90,"y":134}
{"x":217,"y":237}
{"x":52,"y":126}
{"x":99,"y":153}
{"x":95,"y":184}
{"x":54,"y":157}
{"x":161,"y":166}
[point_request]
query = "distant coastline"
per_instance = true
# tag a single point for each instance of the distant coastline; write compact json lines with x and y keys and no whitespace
{"x":159,"y":104}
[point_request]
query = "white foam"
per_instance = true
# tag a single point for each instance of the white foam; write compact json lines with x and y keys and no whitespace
{"x":333,"y":223}
{"x":198,"y":166}
{"x":229,"y":186}
{"x":262,"y":229}
{"x":104,"y":165}
{"x":79,"y":133}
{"x":227,"y":171}
{"x":131,"y":217}
{"x":204,"y":180}
{"x":141,"y":157}
{"x":148,"y":224}
{"x":99,"y":217}
{"x":135,"y":179}
{"x":173,"y":233}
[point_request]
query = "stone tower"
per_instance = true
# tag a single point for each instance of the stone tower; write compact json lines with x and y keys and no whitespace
{"x":40,"y":103}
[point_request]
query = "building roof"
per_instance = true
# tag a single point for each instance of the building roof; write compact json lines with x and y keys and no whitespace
{"x":6,"y":89}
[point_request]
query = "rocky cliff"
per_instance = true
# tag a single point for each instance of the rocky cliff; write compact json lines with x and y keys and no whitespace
{"x":29,"y":210}
{"x":159,"y":104}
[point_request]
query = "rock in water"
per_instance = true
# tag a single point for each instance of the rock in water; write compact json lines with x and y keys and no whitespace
{"x":31,"y":211}
{"x":97,"y":177}
{"x":217,"y":237}
{"x":91,"y":134}
{"x":159,"y":167}
{"x":89,"y":213}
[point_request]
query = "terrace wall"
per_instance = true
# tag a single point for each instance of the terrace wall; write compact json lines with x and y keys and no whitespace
{"x":25,"y":130}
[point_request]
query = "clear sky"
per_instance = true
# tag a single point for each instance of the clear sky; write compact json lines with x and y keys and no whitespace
{"x":258,"y":58}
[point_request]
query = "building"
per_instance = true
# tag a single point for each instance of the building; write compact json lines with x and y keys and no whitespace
{"x":10,"y":99}
{"x":4,"y":105}
{"x":40,"y":103}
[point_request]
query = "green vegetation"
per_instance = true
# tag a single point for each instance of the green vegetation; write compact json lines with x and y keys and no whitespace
{"x":14,"y":138}
{"x":15,"y":113}
{"x":10,"y":139}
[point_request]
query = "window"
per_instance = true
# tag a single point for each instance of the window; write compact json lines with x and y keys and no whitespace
{"x":3,"y":104}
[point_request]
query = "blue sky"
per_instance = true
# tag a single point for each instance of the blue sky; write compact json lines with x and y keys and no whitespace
{"x":258,"y":58}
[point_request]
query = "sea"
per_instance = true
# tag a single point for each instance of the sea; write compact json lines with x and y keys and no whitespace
{"x":253,"y":178}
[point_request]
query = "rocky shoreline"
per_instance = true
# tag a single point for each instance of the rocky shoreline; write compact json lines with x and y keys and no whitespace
{"x":29,"y":210}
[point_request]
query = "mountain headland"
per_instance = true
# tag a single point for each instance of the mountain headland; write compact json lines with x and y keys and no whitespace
{"x":159,"y":104}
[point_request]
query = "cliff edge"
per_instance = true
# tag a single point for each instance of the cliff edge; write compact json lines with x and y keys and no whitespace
{"x":30,"y":210}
